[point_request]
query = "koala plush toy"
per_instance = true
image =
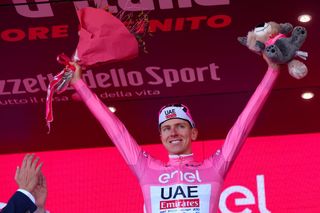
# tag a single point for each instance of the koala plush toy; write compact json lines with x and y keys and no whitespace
{"x":281,"y":43}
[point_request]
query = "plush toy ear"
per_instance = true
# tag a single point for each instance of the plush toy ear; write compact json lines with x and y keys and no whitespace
{"x":260,"y":46}
{"x":285,"y":28}
{"x":243,"y":40}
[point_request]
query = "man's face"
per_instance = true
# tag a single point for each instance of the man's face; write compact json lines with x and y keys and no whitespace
{"x":176,"y":136}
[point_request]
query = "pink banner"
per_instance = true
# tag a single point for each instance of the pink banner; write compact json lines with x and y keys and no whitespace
{"x":271,"y":174}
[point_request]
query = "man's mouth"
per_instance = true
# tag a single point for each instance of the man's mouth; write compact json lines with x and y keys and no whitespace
{"x":174,"y":141}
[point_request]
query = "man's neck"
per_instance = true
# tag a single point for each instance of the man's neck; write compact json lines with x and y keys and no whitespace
{"x":172,"y":156}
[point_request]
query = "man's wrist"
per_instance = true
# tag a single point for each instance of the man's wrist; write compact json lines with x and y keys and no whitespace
{"x":40,"y":210}
{"x":28,"y":194}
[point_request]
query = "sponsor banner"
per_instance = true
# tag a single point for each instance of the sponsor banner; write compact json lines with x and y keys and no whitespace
{"x":114,"y":84}
{"x":191,"y":52}
{"x":271,"y":174}
{"x":189,"y":177}
{"x":180,"y":198}
{"x":170,"y":67}
{"x":184,"y":56}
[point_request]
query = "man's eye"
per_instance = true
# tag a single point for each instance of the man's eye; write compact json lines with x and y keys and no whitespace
{"x":165,"y":129}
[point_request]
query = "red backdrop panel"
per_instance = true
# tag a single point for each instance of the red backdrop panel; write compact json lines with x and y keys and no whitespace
{"x":271,"y":174}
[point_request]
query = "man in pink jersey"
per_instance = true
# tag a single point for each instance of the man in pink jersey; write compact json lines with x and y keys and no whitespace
{"x":181,"y":184}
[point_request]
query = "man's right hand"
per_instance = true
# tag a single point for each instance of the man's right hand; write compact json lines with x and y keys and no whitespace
{"x":77,"y":73}
{"x":270,"y":63}
{"x":27,"y":176}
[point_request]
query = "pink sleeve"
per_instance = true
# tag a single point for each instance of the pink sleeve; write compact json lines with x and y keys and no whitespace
{"x":240,"y":130}
{"x":115,"y":129}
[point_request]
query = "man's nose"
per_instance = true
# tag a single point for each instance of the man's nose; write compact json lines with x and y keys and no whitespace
{"x":173,"y":131}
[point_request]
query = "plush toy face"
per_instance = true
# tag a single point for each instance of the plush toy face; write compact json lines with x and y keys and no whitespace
{"x":262,"y":29}
{"x":256,"y":38}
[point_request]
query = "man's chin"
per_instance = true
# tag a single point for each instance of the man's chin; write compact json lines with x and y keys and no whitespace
{"x":176,"y":152}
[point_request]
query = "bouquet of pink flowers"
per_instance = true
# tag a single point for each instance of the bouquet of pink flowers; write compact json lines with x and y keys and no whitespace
{"x":102,"y":38}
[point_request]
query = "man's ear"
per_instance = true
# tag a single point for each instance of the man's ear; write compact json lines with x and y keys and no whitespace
{"x":194,"y":134}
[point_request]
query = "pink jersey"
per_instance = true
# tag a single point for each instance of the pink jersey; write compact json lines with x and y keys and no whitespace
{"x":182,"y":184}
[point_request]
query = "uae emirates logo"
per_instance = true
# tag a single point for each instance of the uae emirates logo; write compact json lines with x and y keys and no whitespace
{"x":170,"y":113}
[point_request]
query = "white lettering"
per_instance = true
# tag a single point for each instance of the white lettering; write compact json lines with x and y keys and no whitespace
{"x":183,"y":176}
{"x":164,"y":178}
{"x":189,"y":177}
{"x":170,"y":77}
{"x":2,"y":86}
{"x":213,"y":71}
{"x":135,"y":78}
{"x":43,"y":10}
{"x":42,"y":83}
{"x":133,"y":5}
{"x":99,"y":3}
{"x":29,"y":84}
{"x":88,"y":77}
{"x":247,"y":200}
{"x":128,"y":5}
{"x":119,"y":78}
{"x":16,"y":86}
{"x":188,"y":75}
{"x":101,"y":79}
{"x":261,"y":194}
{"x":152,"y":73}
{"x":168,"y":4}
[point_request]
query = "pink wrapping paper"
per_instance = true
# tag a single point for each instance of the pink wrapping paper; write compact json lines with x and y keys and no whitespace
{"x":103,"y":38}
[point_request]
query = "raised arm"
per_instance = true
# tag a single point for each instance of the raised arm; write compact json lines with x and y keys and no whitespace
{"x":243,"y":125}
{"x":115,"y":129}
